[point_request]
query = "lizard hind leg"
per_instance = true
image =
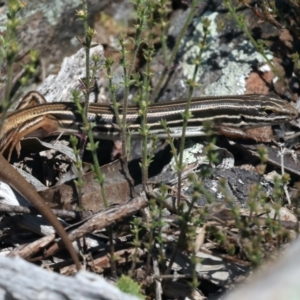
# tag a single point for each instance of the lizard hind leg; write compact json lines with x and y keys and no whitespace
{"x":9,"y":142}
{"x":38,"y":127}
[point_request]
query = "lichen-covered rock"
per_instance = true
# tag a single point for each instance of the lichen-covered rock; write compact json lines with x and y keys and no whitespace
{"x":51,"y":28}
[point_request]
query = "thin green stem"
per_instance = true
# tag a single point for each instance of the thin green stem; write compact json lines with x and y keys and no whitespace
{"x":141,"y":10}
{"x":6,"y":102}
{"x":187,"y":115}
{"x":162,"y":79}
{"x":258,"y":46}
{"x":144,"y":104}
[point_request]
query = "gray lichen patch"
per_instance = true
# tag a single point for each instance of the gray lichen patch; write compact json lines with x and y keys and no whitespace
{"x":191,"y":49}
{"x":225,"y":66}
{"x":51,"y":10}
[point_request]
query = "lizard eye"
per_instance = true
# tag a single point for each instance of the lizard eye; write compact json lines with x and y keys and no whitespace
{"x":243,"y":118}
{"x":269,"y":112}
